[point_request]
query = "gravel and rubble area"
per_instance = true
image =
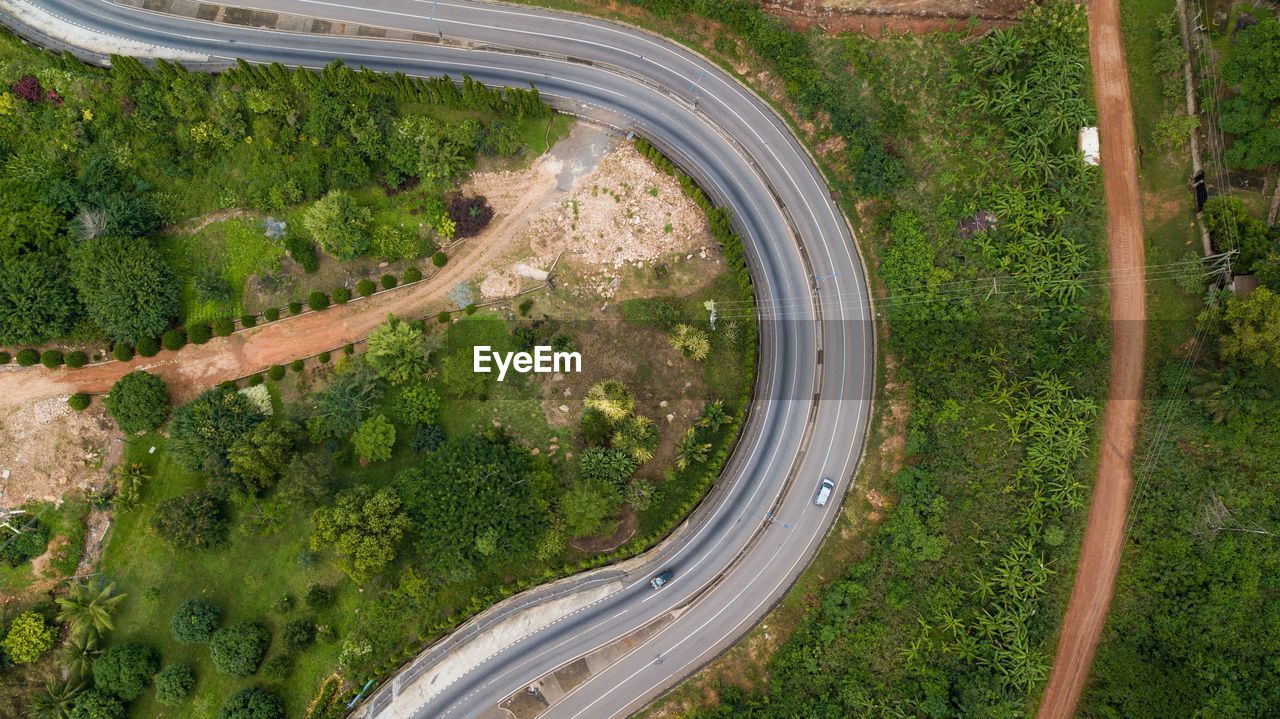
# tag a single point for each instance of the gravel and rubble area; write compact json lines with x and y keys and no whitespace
{"x":48,"y":450}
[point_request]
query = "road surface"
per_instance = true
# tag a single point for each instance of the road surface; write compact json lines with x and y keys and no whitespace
{"x":748,"y":542}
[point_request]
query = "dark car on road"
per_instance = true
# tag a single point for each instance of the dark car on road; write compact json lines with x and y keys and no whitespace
{"x":660,"y":580}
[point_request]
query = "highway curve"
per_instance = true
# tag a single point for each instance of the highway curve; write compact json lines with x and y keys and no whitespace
{"x":814,"y":390}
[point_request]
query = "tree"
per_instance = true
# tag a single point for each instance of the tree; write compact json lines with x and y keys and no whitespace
{"x":98,"y":704}
{"x":612,"y":399}
{"x":28,"y":637}
{"x":339,"y":225}
{"x":1251,"y":114}
{"x":138,"y":402}
{"x":690,"y":342}
{"x":713,"y":417}
{"x":427,"y":438}
{"x":375,"y":439}
{"x":1232,"y":227}
{"x":125,"y":670}
{"x":458,"y":373}
{"x":259,"y":458}
{"x":252,"y":703}
{"x":58,"y":698}
{"x":88,"y":607}
{"x":174,"y":684}
{"x":397,"y":351}
{"x":299,"y":634}
{"x":587,"y":505}
{"x":204,"y":429}
{"x":37,"y":302}
{"x":363,"y":527}
{"x":126,"y":286}
{"x":308,"y":480}
{"x":1253,"y":329}
{"x":692,"y":450}
{"x":194,"y":520}
{"x":417,"y":405}
{"x":340,"y":408}
{"x":195,"y":621}
{"x":238,"y":649}
{"x":610,"y":466}
{"x":637,"y":436}
{"x":78,"y":653}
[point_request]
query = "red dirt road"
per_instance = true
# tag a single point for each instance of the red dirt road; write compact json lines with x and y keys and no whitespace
{"x":1104,"y":534}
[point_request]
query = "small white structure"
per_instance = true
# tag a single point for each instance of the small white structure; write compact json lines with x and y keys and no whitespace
{"x":1089,"y":145}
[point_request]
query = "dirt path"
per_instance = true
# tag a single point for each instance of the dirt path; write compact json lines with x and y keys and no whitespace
{"x":1104,"y":534}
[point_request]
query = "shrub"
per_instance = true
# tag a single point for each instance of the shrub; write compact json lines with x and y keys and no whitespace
{"x":24,"y":546}
{"x":194,"y":520}
{"x":123,"y":351}
{"x":238,"y":649}
{"x":253,"y":381}
{"x":252,"y":703}
{"x":412,"y":274}
{"x":318,"y":597}
{"x":76,"y":359}
{"x":148,"y":346}
{"x":439,"y":259}
{"x":349,"y":350}
{"x":525,"y":306}
{"x":195,"y":621}
{"x":51,"y":358}
{"x":275,"y":373}
{"x":125,"y":670}
{"x":28,"y":357}
{"x":317,"y":300}
{"x":174,"y":684}
{"x":339,"y":225}
{"x":248,"y":320}
{"x":223,"y":326}
{"x":277,"y":668}
{"x":173,"y":340}
{"x":299,"y":634}
{"x":443,"y":317}
{"x":470,"y":309}
{"x":199,"y":333}
{"x":5,"y":358}
{"x":323,"y":357}
{"x":138,"y":402}
{"x":302,"y":252}
{"x":470,"y":215}
{"x":341,"y":295}
{"x":427,"y":438}
{"x":295,"y":308}
{"x":366,"y":287}
{"x":388,"y":281}
{"x":97,"y":704}
{"x":271,"y":314}
{"x":297,"y":366}
{"x":78,"y":401}
{"x":226,"y":384}
{"x":375,"y":439}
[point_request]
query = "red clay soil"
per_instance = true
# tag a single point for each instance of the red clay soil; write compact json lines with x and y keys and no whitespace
{"x":1104,"y":534}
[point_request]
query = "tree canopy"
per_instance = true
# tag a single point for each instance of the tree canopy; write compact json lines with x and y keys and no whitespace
{"x":125,"y":670}
{"x":238,"y":649}
{"x":339,"y":225}
{"x":138,"y":401}
{"x":1253,"y":324}
{"x":364,"y":527}
{"x":1252,"y":116}
{"x":204,"y":429}
{"x":126,"y":286}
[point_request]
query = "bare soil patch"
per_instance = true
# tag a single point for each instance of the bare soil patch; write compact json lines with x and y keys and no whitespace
{"x":875,"y":16}
{"x":50,"y":450}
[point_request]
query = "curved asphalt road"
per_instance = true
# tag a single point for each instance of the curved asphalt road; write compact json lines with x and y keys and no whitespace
{"x":816,"y":376}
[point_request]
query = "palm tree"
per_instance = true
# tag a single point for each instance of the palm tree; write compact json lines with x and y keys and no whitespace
{"x":88,"y":607}
{"x":130,"y":477}
{"x":612,"y":399}
{"x":713,"y":416}
{"x":56,"y":700}
{"x":637,"y":436}
{"x":78,"y":654}
{"x":692,"y":451}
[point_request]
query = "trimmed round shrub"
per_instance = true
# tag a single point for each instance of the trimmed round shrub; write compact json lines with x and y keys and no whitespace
{"x":412,"y":274}
{"x":271,"y":314}
{"x":295,"y":308}
{"x":227,"y":384}
{"x":28,"y":357}
{"x":341,"y":295}
{"x":248,"y":320}
{"x":323,"y":357}
{"x":138,"y":402}
{"x":173,"y":340}
{"x":125,"y":670}
{"x":366,"y":287}
{"x":317,"y":300}
{"x":275,"y":373}
{"x":470,"y":309}
{"x":76,"y":359}
{"x":252,"y":703}
{"x":195,"y":621}
{"x":388,"y":281}
{"x":349,"y":350}
{"x":443,"y":317}
{"x":123,"y":351}
{"x":199,"y":333}
{"x":148,"y":347}
{"x":253,"y":381}
{"x":174,"y":684}
{"x":51,"y":358}
{"x":238,"y":649}
{"x":78,"y":401}
{"x":5,"y":358}
{"x":223,"y":326}
{"x":440,"y":259}
{"x":297,"y":365}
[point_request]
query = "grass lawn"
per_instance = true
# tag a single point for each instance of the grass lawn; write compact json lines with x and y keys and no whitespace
{"x":236,"y":249}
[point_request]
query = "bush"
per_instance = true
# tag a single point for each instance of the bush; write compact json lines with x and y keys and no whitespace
{"x":470,"y":309}
{"x":318,"y":597}
{"x":24,"y":546}
{"x":339,"y":225}
{"x":439,"y":259}
{"x":470,"y":215}
{"x":78,"y":401}
{"x":323,"y":357}
{"x":297,"y":366}
{"x":252,"y":703}
{"x":275,"y":373}
{"x":277,"y":668}
{"x":125,"y":670}
{"x":349,"y":350}
{"x":174,"y":684}
{"x":148,"y":346}
{"x":413,"y":274}
{"x":199,"y":333}
{"x":341,"y":295}
{"x":299,"y":634}
{"x":271,"y":314}
{"x":51,"y":358}
{"x":76,"y":359}
{"x":388,"y":281}
{"x":194,"y":520}
{"x":173,"y":340}
{"x":317,"y":300}
{"x":253,"y":381}
{"x":195,"y":621}
{"x":366,"y":287}
{"x":302,"y":252}
{"x":5,"y":358}
{"x":28,"y":357}
{"x":223,"y":326}
{"x":123,"y":351}
{"x":295,"y":308}
{"x":138,"y":402}
{"x":97,"y":704}
{"x":248,"y":320}
{"x":238,"y":649}
{"x":427,"y":438}
{"x":443,"y":317}
{"x":525,"y":306}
